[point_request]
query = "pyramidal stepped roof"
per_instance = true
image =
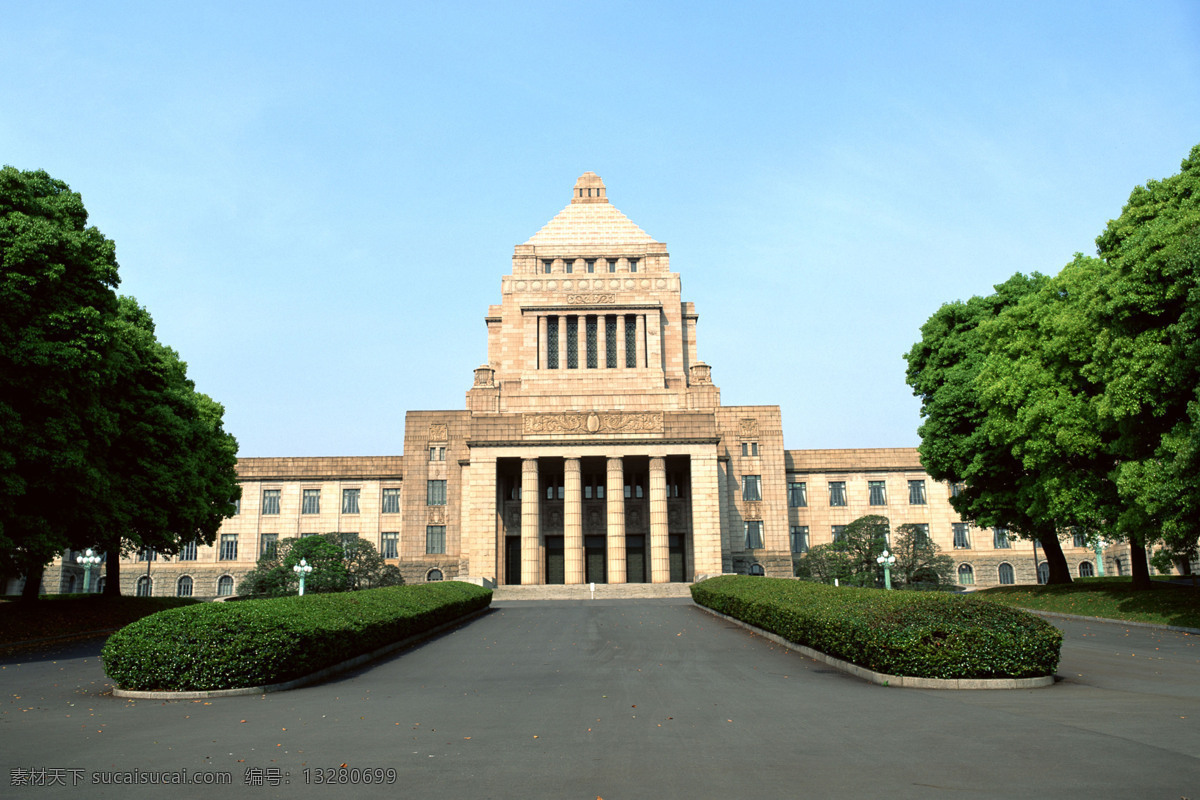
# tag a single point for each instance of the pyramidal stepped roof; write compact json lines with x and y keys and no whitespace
{"x":589,"y":221}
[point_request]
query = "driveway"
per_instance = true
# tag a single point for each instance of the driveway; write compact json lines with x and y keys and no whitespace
{"x":625,"y":699}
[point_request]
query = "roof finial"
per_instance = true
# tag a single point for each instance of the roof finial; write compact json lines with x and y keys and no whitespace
{"x":589,"y":189}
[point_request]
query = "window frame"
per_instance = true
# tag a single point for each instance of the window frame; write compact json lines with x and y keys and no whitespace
{"x":310,"y":501}
{"x":432,"y":540}
{"x":435,"y":492}
{"x":800,"y":494}
{"x":877,"y":493}
{"x":754,"y":534}
{"x":916,"y":493}
{"x":350,"y":498}
{"x":752,"y":488}
{"x":837,"y":492}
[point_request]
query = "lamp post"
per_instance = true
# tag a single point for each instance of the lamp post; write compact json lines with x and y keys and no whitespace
{"x":886,"y":560}
{"x":88,"y":560}
{"x":302,"y":569}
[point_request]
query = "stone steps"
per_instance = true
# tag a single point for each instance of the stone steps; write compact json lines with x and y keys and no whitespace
{"x":604,"y":591}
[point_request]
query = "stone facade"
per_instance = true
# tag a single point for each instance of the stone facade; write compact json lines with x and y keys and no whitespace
{"x":593,"y":448}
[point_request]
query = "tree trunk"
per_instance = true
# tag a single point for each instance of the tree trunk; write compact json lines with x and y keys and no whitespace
{"x":1052,"y":549}
{"x":1138,"y":565}
{"x":33,"y":583}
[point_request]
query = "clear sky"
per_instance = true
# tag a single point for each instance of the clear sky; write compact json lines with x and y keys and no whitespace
{"x":316,"y":201}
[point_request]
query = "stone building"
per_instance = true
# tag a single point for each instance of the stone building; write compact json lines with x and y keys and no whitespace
{"x":593,"y":447}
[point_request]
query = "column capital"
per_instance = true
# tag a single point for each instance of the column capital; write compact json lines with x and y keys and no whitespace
{"x":658,"y":463}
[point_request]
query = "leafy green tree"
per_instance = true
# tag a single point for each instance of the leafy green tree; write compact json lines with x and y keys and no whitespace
{"x":823,"y":563}
{"x":171,"y":468}
{"x":851,"y":558}
{"x":339,"y":564}
{"x":957,"y":443}
{"x":918,"y":558}
{"x":57,"y":279}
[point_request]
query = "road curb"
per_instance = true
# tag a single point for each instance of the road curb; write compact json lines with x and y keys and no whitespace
{"x":883,"y":679}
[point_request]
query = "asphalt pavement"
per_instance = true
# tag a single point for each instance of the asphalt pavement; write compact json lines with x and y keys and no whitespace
{"x":618,"y":699}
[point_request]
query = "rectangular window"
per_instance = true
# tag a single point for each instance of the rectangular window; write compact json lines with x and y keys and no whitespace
{"x":348,"y":543}
{"x":797,"y":494}
{"x":838,"y":532}
{"x":188,"y":552}
{"x":591,"y":265}
{"x":229,"y":547}
{"x":799,"y":539}
{"x":612,"y":265}
{"x":956,"y":489}
{"x":350,"y":501}
{"x":754,"y":534}
{"x":312,"y":502}
{"x":237,"y":506}
{"x":593,"y":353}
{"x":750,"y":448}
{"x":551,"y":342}
{"x":878,"y":493}
{"x":390,"y":546}
{"x":391,"y":501}
{"x":435,"y":539}
{"x":630,"y":342}
{"x":837,"y":493}
{"x":569,"y":264}
{"x":1000,"y":539}
{"x":962,"y":536}
{"x":633,"y":265}
{"x":268,"y":545}
{"x":921,"y":533}
{"x":610,"y":342}
{"x":916,"y":493}
{"x":1080,"y":539}
{"x":547,"y":265}
{"x":435,"y":493}
{"x":270,"y":503}
{"x":572,"y":342}
{"x":147,"y":554}
{"x":752,"y":487}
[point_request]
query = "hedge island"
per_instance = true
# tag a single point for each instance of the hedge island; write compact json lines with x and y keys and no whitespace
{"x":917,"y":634}
{"x":259,"y":642}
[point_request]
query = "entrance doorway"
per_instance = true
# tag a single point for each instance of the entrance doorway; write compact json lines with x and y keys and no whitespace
{"x":512,"y":560}
{"x":556,"y":565}
{"x":635,"y":558}
{"x":677,"y":553}
{"x":595,"y":556}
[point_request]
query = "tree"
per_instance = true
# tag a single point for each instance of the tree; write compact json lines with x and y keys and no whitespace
{"x":957,"y":443}
{"x":340,"y":563}
{"x":57,"y":279}
{"x":823,"y":563}
{"x":918,"y":558}
{"x":851,"y":557}
{"x":172,"y":469}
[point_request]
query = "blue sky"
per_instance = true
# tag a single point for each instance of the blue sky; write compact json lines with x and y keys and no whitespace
{"x":316,"y":201}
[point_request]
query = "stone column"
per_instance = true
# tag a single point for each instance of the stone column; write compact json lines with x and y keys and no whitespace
{"x":621,"y":320}
{"x":639,"y":341}
{"x":542,"y":362}
{"x":481,"y":528}
{"x":572,"y":522}
{"x":602,"y":341}
{"x":581,"y":340}
{"x":654,"y":339}
{"x":562,"y":341}
{"x":706,"y":515}
{"x":660,"y":570}
{"x":614,"y":490}
{"x":531,"y":538}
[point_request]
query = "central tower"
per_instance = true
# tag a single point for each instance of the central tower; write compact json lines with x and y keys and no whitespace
{"x":591,"y":318}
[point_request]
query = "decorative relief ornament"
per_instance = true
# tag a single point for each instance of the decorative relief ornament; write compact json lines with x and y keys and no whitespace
{"x":701,"y":374}
{"x":439,"y":432}
{"x":593,"y":422}
{"x":437,"y":515}
{"x":485,"y":376}
{"x":590,"y":299}
{"x":753,"y":510}
{"x":748,"y":427}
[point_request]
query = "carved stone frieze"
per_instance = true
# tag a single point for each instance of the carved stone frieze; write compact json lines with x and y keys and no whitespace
{"x":437,"y":515}
{"x":753,"y":510}
{"x":595,"y":423}
{"x":439,"y":432}
{"x":594,"y":298}
{"x":747,"y":427}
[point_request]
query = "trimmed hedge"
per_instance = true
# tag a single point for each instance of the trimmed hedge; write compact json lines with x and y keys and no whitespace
{"x":923,"y":635}
{"x":234,"y":645}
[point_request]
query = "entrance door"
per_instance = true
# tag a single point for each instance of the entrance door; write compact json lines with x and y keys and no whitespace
{"x":677,"y":552}
{"x":512,"y":560}
{"x":556,"y":567}
{"x":595,"y":558}
{"x":635,"y":559}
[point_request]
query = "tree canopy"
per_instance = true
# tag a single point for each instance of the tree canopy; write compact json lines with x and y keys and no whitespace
{"x":340,"y":563}
{"x":1074,"y":401}
{"x":104,"y":441}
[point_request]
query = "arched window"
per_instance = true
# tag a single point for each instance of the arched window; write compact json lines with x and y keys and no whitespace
{"x":70,"y":584}
{"x":225,"y":586}
{"x":1044,"y":572}
{"x":183,"y":588}
{"x":757,"y":569}
{"x":434,"y":574}
{"x":1086,"y":570}
{"x":1006,"y":574}
{"x":144,"y":587}
{"x":1117,"y":565}
{"x":966,"y":575}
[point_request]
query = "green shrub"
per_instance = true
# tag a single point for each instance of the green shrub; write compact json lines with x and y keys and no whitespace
{"x":232,"y":645}
{"x":919,"y":634}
